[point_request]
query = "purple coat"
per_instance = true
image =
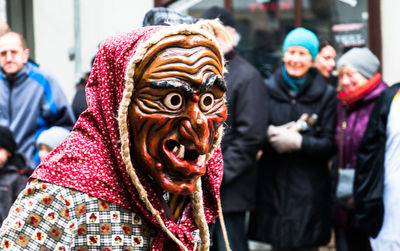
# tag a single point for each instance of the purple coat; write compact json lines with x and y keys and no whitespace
{"x":356,"y":118}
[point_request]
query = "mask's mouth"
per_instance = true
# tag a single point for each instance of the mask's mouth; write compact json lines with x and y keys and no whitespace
{"x":186,"y":160}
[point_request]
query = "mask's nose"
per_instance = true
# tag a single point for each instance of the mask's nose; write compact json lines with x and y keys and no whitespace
{"x":195,"y":128}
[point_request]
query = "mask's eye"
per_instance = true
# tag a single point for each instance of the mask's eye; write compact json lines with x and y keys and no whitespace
{"x":173,"y":101}
{"x":206,"y":101}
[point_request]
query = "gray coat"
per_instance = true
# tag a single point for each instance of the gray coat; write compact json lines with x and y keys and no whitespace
{"x":30,"y":102}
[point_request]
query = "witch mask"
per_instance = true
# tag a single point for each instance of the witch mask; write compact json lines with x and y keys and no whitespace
{"x":176,"y":111}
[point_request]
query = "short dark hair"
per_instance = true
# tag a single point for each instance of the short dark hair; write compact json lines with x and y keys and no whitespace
{"x":223,"y":14}
{"x":7,"y":140}
{"x":323,"y":42}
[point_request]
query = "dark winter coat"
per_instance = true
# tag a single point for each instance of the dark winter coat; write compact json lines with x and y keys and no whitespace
{"x":13,"y":179}
{"x":293,"y":191}
{"x":369,"y":177}
{"x":244,"y":133}
{"x":79,"y":103}
{"x":355,"y":119}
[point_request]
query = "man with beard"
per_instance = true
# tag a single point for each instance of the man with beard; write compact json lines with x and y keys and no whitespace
{"x":142,"y":167}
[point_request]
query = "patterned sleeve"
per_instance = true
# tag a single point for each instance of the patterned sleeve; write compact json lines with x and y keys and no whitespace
{"x":47,"y":217}
{"x":39,"y":220}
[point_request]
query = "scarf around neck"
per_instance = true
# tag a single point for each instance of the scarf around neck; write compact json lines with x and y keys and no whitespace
{"x":294,"y":84}
{"x":349,"y":98}
{"x":93,"y":159}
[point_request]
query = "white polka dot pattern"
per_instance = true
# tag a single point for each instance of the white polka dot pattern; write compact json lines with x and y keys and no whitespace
{"x":90,"y":160}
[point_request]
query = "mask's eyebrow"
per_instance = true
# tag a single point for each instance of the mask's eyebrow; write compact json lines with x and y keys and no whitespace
{"x":211,"y":80}
{"x":171,"y":84}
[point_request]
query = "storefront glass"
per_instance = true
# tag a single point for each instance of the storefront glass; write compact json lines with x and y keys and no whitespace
{"x":263,"y":25}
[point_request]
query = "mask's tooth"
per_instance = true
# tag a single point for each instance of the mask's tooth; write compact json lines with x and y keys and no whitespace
{"x":200,"y":160}
{"x":181,"y":152}
{"x":175,"y":150}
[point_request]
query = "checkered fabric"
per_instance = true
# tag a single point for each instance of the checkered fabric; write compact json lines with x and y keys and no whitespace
{"x":48,"y":217}
{"x":96,"y":159}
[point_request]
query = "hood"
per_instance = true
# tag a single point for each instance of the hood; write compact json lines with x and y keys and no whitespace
{"x":96,"y":158}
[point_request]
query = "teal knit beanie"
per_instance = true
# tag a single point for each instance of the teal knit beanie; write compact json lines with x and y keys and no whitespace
{"x":304,"y":38}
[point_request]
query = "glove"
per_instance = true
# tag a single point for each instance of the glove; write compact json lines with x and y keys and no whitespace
{"x":283,"y":139}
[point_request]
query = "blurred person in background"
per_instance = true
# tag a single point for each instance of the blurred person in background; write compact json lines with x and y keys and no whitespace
{"x":244,"y":133}
{"x":79,"y":103}
{"x":293,"y":182}
{"x":325,"y":60}
{"x":50,"y":139}
{"x":376,"y":185}
{"x":245,"y":124}
{"x":4,"y":28}
{"x":360,"y":85}
{"x":14,"y":172}
{"x":31,"y":100}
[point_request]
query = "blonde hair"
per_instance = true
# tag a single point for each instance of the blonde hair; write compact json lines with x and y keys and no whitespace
{"x":361,"y":79}
{"x":224,"y":38}
{"x":4,"y":28}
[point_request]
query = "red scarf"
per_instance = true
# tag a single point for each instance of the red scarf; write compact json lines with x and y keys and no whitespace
{"x":350,"y":97}
{"x":90,"y":159}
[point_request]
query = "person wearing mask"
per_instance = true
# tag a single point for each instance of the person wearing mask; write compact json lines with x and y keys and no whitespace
{"x":376,"y":185}
{"x":245,"y":127}
{"x":14,"y":172}
{"x":31,"y":100}
{"x":245,"y":124}
{"x":293,"y":182}
{"x":360,"y":85}
{"x":141,"y":169}
{"x":325,"y":60}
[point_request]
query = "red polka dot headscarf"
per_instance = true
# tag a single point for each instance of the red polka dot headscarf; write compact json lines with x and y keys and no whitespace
{"x":95,"y":159}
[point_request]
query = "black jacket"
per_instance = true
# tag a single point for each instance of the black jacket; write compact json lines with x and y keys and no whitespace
{"x":79,"y":103}
{"x":369,"y":176}
{"x":13,"y":179}
{"x":293,"y":189}
{"x":244,"y":132}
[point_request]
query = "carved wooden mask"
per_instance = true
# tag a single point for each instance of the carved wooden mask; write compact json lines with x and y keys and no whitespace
{"x":177,"y":107}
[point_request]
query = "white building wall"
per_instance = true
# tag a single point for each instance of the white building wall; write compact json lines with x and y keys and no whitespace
{"x":99,"y":19}
{"x":390,"y":40}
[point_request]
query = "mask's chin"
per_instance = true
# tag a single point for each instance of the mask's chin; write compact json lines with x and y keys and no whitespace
{"x":181,"y":167}
{"x":177,"y":187}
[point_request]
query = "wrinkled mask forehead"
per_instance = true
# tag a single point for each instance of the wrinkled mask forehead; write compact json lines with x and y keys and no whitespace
{"x":177,"y":109}
{"x":181,"y":49}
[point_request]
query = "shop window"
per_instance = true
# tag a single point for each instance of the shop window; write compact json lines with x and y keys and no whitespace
{"x":263,"y":25}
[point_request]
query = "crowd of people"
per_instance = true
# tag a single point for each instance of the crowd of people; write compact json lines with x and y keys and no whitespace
{"x":186,"y":146}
